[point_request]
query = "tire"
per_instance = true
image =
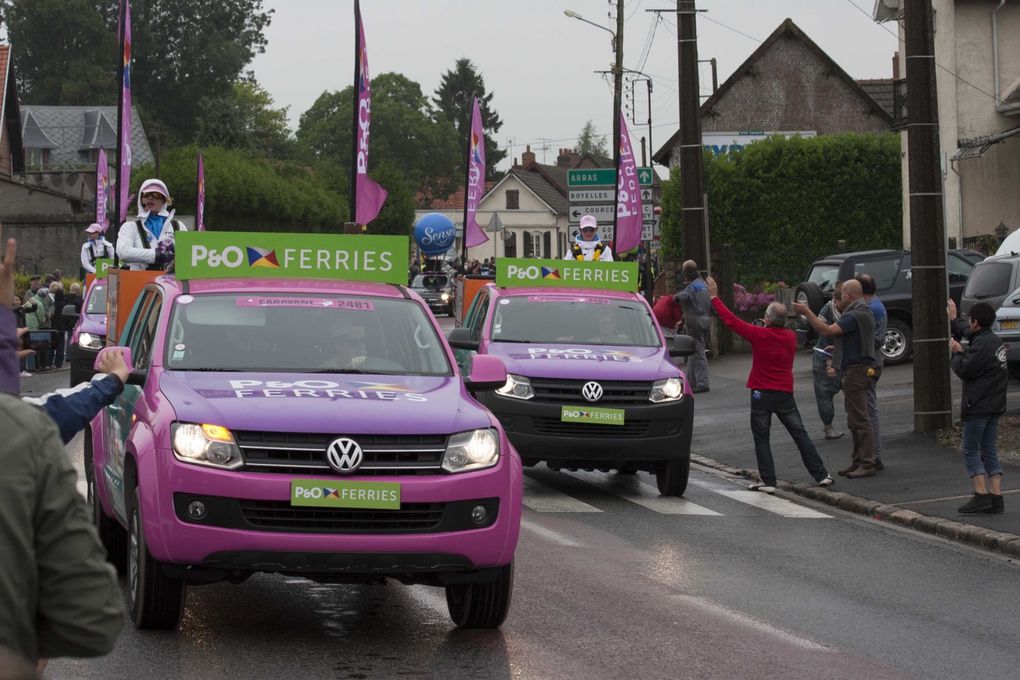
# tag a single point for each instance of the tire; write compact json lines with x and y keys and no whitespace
{"x":111,"y":534}
{"x":899,"y":342}
{"x":811,"y":294}
{"x":481,"y":605}
{"x":155,"y":601}
{"x":671,"y":476}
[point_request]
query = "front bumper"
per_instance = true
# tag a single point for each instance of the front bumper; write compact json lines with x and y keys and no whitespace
{"x":650,"y":433}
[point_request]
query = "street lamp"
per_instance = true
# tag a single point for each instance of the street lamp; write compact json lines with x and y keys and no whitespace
{"x":574,"y":15}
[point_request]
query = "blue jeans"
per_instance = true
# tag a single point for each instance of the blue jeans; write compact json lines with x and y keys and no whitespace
{"x":825,"y":389}
{"x":980,"y":451}
{"x":764,"y":403}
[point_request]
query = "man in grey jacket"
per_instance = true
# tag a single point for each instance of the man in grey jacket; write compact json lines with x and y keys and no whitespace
{"x":697,"y":305}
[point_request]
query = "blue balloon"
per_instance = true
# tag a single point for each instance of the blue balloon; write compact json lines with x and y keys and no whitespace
{"x":435,"y":234}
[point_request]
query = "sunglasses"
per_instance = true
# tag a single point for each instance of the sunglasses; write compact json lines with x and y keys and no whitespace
{"x":154,"y":194}
{"x":587,"y":228}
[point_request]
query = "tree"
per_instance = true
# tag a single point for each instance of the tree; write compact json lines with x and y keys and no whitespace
{"x":182,"y":51}
{"x":453,"y":100}
{"x":246,"y":120}
{"x":590,"y":142}
{"x":405,"y":134}
{"x":397,"y":214}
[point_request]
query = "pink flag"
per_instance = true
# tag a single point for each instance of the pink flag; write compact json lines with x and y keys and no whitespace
{"x":474,"y":235}
{"x":200,"y":210}
{"x":368,"y":196}
{"x":628,"y":196}
{"x":102,"y":188}
{"x":124,"y":116}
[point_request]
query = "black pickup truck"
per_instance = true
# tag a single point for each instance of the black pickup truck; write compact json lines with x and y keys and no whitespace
{"x":437,"y":289}
{"x":891,"y":271}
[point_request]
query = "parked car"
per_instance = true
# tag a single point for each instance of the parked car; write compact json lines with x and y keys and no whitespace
{"x":991,"y":282}
{"x":437,"y":289}
{"x":891,"y":271}
{"x":1007,"y":327}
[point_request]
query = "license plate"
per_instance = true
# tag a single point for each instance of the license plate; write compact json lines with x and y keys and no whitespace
{"x":591,"y":415}
{"x":333,"y":493}
{"x":1009,"y":325}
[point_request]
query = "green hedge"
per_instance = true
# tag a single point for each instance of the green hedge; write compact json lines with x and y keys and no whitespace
{"x":783,"y":203}
{"x":250,"y":193}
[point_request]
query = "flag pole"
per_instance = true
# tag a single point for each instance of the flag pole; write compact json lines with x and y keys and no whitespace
{"x":467,"y":183}
{"x":118,"y":212}
{"x":354,"y":107}
{"x":616,"y":166}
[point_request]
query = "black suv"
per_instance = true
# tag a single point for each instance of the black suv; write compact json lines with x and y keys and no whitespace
{"x":891,"y":271}
{"x":437,"y":289}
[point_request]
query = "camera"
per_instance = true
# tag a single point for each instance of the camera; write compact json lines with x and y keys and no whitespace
{"x":39,"y":340}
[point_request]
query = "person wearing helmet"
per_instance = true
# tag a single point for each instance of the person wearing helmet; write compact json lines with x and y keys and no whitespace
{"x":587,"y":246}
{"x":147,"y":242}
{"x":94,"y":248}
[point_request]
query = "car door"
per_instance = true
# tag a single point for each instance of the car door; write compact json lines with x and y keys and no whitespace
{"x":474,"y":321}
{"x":121,"y":416}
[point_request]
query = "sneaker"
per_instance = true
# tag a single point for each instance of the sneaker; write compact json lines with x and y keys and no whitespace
{"x":699,"y":390}
{"x":25,"y":374}
{"x":764,"y":488}
{"x":828,"y":481}
{"x":830,"y":432}
{"x":845,"y":471}
{"x":979,"y":504}
{"x":879,"y":465}
{"x":998,"y":507}
{"x":861,"y":472}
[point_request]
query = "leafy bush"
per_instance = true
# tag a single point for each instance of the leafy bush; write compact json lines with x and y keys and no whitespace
{"x":751,"y":301}
{"x":782,"y":203}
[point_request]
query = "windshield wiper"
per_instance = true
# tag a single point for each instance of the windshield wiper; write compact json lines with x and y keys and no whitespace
{"x":214,"y":370}
{"x":517,"y":341}
{"x":335,"y":370}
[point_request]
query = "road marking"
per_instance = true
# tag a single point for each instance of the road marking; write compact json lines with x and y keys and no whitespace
{"x":778,"y":506}
{"x":744,"y":619}
{"x":542,"y":498}
{"x":645,"y":495}
{"x":551,"y":535}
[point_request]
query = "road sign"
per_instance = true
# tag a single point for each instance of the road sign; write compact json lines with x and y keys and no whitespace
{"x":602,"y":213}
{"x":591,"y":177}
{"x":646,"y":195}
{"x":645,"y":176}
{"x":600,"y":195}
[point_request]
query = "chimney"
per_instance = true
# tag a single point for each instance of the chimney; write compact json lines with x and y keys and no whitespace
{"x":896,"y":65}
{"x":528,"y":158}
{"x":567,"y":159}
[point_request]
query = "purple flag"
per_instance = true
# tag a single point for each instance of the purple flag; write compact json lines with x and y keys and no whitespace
{"x":474,"y":235}
{"x":628,"y":196}
{"x":124,"y":116}
{"x":102,"y":188}
{"x":368,"y":196}
{"x":200,"y":210}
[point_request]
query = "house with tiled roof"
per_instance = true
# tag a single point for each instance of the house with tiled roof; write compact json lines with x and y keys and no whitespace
{"x":12,"y":152}
{"x":789,"y":85}
{"x":68,"y":138}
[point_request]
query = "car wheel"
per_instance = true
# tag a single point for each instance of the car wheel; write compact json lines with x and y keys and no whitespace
{"x":481,"y":605}
{"x":111,"y":534}
{"x":154,"y":600}
{"x":898,"y":345}
{"x":810,"y":294}
{"x":671,"y":476}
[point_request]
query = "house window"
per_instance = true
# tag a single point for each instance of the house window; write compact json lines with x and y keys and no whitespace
{"x":513,"y":199}
{"x":35,"y":159}
{"x":510,"y":244}
{"x":533,"y":244}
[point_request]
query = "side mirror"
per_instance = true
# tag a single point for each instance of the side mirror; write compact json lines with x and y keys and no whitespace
{"x":135,"y":377}
{"x":487,"y":373}
{"x":682,"y":346}
{"x":70,"y":315}
{"x":460,"y":338}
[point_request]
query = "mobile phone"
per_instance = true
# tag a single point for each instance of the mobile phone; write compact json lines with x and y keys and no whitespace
{"x":39,"y":340}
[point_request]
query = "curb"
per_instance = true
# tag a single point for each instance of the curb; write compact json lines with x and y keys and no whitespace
{"x":1005,"y":543}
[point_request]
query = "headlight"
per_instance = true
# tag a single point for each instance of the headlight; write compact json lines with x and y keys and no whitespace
{"x":471,"y":451}
{"x":206,"y":444}
{"x":446,"y":297}
{"x":90,"y":341}
{"x":670,"y":389}
{"x":517,"y":387}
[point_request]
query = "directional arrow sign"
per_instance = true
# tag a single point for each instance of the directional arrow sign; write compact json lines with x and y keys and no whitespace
{"x":645,"y":176}
{"x":646,"y":195}
{"x":602,"y":213}
{"x":591,"y":195}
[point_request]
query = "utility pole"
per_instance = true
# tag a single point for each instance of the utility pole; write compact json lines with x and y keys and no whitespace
{"x":932,"y":394}
{"x":692,"y":180}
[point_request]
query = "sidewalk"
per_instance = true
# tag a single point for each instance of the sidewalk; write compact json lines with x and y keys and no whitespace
{"x":923,"y":482}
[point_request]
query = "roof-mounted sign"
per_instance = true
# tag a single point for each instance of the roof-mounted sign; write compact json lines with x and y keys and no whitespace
{"x":567,"y":274}
{"x":349,"y":257}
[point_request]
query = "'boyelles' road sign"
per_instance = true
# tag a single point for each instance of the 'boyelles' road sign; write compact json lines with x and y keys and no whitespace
{"x":599,"y":195}
{"x":604,"y":177}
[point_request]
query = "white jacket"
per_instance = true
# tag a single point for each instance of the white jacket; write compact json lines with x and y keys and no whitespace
{"x":131,"y":250}
{"x":99,"y":248}
{"x":588,"y":250}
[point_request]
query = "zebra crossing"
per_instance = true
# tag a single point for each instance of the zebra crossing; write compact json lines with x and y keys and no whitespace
{"x":544,"y":493}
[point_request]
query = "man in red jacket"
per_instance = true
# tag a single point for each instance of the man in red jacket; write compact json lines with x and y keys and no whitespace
{"x":773,"y":347}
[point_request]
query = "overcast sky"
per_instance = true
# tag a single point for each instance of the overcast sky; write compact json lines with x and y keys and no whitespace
{"x":539,"y":63}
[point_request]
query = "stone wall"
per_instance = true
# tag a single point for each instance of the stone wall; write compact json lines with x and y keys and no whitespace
{"x":47,"y":242}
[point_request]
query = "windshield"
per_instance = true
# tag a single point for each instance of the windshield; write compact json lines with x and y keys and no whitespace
{"x":303,"y":333}
{"x":989,"y":279}
{"x":574,"y":319}
{"x":97,"y":300}
{"x":430,"y":281}
{"x":824,"y":275}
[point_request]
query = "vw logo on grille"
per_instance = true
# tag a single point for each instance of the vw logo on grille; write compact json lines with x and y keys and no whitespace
{"x":592,"y":391}
{"x":344,"y":455}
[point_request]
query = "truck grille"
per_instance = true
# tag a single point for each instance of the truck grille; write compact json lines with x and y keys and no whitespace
{"x":305,"y":453}
{"x":281,"y":516}
{"x":569,"y":391}
{"x":557,"y":428}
